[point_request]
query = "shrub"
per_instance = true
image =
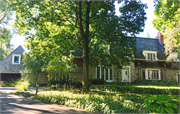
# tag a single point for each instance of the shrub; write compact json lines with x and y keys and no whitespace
{"x":154,"y":82}
{"x":22,"y":84}
{"x":161,"y":104}
{"x":119,"y":83}
{"x":97,"y":82}
{"x":9,"y":83}
{"x":132,"y":89}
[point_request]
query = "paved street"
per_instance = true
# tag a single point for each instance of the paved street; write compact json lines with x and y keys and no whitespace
{"x":13,"y":104}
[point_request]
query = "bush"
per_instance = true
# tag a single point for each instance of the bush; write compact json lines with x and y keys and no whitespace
{"x":9,"y":83}
{"x":77,"y":84}
{"x":132,"y":89}
{"x":161,"y":104}
{"x":22,"y":84}
{"x":96,"y":82}
{"x":154,"y":82}
{"x":119,"y":83}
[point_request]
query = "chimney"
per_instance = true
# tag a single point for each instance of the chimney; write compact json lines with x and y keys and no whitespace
{"x":160,"y":37}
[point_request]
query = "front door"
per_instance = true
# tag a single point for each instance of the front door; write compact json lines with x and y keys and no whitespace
{"x":125,"y":75}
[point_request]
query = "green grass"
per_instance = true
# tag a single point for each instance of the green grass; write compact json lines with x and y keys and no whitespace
{"x":156,"y":86}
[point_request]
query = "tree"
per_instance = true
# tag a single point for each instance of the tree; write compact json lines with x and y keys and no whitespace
{"x":5,"y":45}
{"x":167,"y":14}
{"x":5,"y":11}
{"x":32,"y":67}
{"x":88,"y":25}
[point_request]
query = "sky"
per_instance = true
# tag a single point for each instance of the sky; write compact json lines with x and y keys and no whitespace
{"x":19,"y":40}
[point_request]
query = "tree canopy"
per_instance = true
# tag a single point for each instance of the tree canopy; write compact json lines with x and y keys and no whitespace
{"x":89,"y":25}
{"x":167,"y":14}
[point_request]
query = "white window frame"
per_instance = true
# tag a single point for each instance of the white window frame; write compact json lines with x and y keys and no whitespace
{"x":19,"y":55}
{"x":146,"y":74}
{"x":105,"y":74}
{"x":145,"y":53}
{"x":108,"y":47}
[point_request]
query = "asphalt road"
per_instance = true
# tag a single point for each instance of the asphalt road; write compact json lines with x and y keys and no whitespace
{"x":13,"y":104}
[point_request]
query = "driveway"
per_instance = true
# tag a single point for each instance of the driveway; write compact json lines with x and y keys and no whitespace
{"x":13,"y":88}
{"x":13,"y":104}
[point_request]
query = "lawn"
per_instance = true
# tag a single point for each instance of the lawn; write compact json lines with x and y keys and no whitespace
{"x":157,"y":87}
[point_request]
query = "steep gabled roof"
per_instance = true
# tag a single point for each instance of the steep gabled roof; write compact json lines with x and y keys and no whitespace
{"x":13,"y":52}
{"x":149,"y":44}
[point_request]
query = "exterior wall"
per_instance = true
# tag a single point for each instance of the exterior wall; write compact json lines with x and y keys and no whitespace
{"x":170,"y":75}
{"x":117,"y":73}
{"x":6,"y":65}
{"x":76,"y":76}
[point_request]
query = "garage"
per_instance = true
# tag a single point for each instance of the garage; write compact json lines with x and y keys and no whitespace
{"x":9,"y":76}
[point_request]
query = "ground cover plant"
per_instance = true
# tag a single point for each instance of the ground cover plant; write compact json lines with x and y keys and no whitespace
{"x":161,"y":104}
{"x":101,"y":101}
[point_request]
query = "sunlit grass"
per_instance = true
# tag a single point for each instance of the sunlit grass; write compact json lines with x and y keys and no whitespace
{"x":155,"y":86}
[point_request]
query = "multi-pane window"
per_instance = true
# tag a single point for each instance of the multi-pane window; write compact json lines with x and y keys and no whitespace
{"x":151,"y":56}
{"x":153,"y":74}
{"x":106,"y":74}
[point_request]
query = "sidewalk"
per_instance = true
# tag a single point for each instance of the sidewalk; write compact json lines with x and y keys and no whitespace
{"x":10,"y":103}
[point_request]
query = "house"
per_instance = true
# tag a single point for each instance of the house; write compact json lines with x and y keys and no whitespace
{"x":151,"y":63}
{"x":11,"y":65}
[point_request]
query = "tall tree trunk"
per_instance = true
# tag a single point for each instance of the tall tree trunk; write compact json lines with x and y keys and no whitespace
{"x":85,"y":36}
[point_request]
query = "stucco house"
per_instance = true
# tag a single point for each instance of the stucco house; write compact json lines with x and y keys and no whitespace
{"x":150,"y":64}
{"x":11,"y":65}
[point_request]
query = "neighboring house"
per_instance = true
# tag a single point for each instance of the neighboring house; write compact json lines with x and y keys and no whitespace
{"x":11,"y":65}
{"x":150,"y":64}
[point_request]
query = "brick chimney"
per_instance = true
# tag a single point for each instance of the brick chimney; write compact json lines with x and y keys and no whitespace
{"x":160,"y":37}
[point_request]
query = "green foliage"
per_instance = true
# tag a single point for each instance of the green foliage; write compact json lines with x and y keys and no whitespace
{"x":159,"y":82}
{"x":140,"y":90}
{"x":161,"y":104}
{"x":5,"y":44}
{"x":97,"y":82}
{"x":167,"y":14}
{"x":93,"y":102}
{"x":22,"y":84}
{"x":88,"y":25}
{"x":119,"y":83}
{"x":9,"y":83}
{"x":5,"y":12}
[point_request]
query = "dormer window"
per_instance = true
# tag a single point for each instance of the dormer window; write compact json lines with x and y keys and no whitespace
{"x":150,"y":55}
{"x":16,"y":59}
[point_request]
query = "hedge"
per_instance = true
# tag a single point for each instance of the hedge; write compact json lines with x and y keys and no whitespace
{"x":139,"y":90}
